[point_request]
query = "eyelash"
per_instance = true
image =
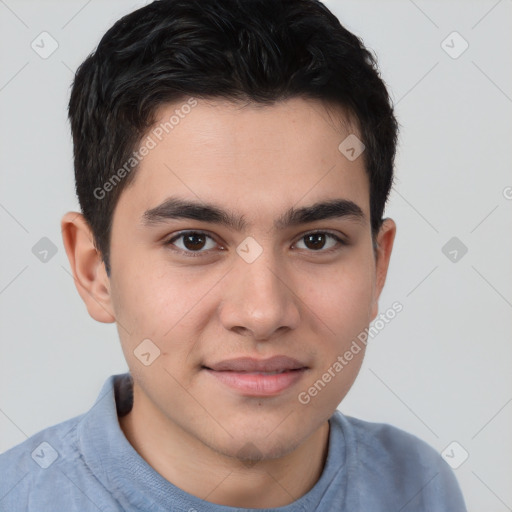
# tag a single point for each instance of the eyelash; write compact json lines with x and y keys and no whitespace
{"x":195,"y":254}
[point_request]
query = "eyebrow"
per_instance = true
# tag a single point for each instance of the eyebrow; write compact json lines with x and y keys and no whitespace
{"x":177,"y":208}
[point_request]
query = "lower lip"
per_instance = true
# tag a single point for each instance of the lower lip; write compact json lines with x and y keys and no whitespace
{"x":259,"y":384}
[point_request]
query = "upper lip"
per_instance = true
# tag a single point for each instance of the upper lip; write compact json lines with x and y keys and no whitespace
{"x":249,"y":364}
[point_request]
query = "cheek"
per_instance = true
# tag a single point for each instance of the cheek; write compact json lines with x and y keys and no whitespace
{"x":341,"y":298}
{"x":167,"y":307}
{"x":151,"y":296}
{"x":342,"y":303}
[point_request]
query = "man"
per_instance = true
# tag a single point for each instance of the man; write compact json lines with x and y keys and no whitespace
{"x":232,"y":160}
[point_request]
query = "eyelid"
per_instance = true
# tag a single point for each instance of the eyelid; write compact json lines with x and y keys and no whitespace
{"x":334,"y":234}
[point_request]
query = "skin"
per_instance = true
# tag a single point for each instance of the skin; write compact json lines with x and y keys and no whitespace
{"x":204,"y":437}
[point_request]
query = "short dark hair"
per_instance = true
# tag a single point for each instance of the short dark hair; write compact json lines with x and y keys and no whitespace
{"x":258,"y":51}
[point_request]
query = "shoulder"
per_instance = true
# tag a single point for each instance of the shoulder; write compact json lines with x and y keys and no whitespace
{"x":38,"y":459}
{"x":48,"y":472}
{"x":390,"y":443}
{"x":402,"y":468}
{"x":57,"y":439}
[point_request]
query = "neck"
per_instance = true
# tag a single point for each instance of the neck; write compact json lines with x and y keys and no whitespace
{"x":195,"y":468}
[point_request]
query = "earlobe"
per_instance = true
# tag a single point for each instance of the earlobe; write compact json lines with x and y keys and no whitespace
{"x":87,"y":267}
{"x":385,"y":240}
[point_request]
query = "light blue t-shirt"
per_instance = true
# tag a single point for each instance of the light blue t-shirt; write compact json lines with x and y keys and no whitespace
{"x":87,"y":464}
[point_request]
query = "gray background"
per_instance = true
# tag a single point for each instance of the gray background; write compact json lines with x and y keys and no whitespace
{"x":441,"y":369}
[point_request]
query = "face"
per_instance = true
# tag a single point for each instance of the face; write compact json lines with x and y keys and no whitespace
{"x":251,"y":278}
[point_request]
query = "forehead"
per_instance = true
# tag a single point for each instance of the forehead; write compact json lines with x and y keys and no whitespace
{"x":252,"y":158}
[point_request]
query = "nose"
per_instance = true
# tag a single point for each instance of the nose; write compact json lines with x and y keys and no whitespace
{"x":259,"y":300}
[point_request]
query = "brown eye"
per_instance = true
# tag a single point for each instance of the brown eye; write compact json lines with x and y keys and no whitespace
{"x":320,"y":241}
{"x":315,"y":241}
{"x":192,"y":242}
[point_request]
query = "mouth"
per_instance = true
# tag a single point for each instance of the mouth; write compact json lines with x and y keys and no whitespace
{"x":258,"y":377}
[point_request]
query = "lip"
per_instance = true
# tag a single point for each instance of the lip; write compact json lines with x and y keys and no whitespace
{"x":251,"y":364}
{"x":252,"y":377}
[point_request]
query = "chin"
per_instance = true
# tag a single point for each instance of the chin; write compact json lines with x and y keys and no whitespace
{"x":251,"y":451}
{"x":253,"y":442}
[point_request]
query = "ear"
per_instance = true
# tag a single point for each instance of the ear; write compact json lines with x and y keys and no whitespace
{"x":385,"y":239}
{"x":88,"y":269}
